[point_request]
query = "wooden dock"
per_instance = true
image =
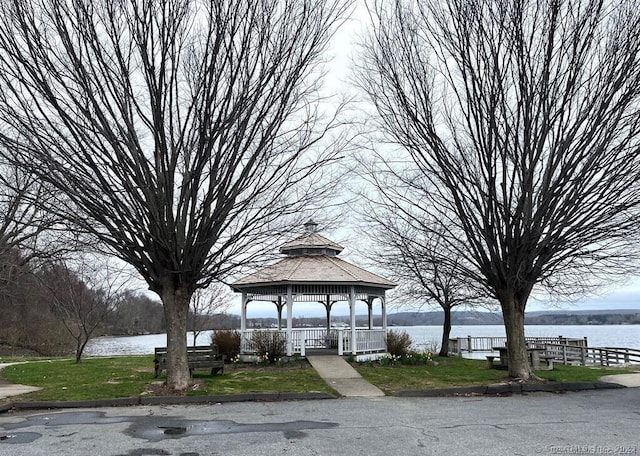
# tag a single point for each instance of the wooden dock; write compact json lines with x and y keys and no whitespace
{"x":469,"y":344}
{"x":562,"y":350}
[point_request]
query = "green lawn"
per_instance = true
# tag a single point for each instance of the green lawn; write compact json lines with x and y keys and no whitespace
{"x":132,"y":376}
{"x":448,"y":372}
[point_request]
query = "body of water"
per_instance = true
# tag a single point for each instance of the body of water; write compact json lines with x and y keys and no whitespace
{"x":627,"y":336}
{"x":423,"y":336}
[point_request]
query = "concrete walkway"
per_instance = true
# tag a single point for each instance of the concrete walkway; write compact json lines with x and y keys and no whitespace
{"x":628,"y":380}
{"x":11,"y":389}
{"x":343,"y":378}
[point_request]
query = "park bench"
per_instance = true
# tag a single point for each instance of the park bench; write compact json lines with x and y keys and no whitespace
{"x":548,"y":360}
{"x":490,"y":363}
{"x":536,"y":355}
{"x":198,"y":357}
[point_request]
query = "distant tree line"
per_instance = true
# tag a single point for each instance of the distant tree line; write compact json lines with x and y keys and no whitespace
{"x":54,"y":309}
{"x":488,"y":318}
{"x":584,"y":319}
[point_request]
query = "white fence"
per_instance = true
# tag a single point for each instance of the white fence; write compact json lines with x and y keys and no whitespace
{"x":367,"y":340}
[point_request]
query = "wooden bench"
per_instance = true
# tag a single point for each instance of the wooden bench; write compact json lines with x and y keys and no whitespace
{"x":198,"y":357}
{"x":535,"y":356}
{"x":548,"y":362}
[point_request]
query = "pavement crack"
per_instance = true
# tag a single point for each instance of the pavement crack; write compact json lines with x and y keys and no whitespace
{"x":503,"y":426}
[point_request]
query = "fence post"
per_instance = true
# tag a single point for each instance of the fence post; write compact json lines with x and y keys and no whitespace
{"x":564,"y":354}
{"x":303,"y":351}
{"x":469,"y":342}
{"x":340,"y":343}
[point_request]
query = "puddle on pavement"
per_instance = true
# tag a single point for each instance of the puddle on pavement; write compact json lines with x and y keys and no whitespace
{"x":66,"y":419}
{"x":19,"y":437}
{"x":154,"y":428}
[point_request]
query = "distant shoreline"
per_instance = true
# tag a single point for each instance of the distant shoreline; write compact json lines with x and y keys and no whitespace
{"x":473,"y":318}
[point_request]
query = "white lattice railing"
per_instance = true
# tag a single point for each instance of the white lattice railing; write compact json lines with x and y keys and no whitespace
{"x":370,"y":340}
{"x":367,"y":340}
{"x":309,"y":338}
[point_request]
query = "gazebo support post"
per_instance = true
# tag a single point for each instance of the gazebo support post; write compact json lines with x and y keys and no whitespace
{"x":279,"y":306}
{"x":370,"y":310}
{"x":352,"y":310}
{"x":327,"y":306}
{"x":289,"y":320}
{"x":243,"y":320}
{"x":383,"y":300}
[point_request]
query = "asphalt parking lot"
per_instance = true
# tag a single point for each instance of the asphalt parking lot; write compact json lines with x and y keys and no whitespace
{"x":588,"y":422}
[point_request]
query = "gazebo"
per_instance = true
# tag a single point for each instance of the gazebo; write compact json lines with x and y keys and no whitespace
{"x":312,"y":272}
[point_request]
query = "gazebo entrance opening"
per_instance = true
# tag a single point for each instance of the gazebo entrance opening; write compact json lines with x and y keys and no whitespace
{"x":312,"y":272}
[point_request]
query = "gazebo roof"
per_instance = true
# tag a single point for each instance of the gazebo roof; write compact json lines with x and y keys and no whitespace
{"x":313,"y":269}
{"x":311,"y":241}
{"x":312,"y":259}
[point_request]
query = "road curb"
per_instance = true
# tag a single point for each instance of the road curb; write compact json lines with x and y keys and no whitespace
{"x":164,"y":400}
{"x":505,"y":389}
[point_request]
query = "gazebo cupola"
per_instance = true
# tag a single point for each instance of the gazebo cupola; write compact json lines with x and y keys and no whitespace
{"x":311,"y":243}
{"x":311,"y":271}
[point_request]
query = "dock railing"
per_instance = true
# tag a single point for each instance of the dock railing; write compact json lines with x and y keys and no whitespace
{"x":469,"y":344}
{"x":563,"y":350}
{"x":606,"y":356}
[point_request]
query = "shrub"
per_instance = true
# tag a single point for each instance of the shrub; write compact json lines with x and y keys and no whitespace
{"x":408,"y":359}
{"x":416,"y":359}
{"x":228,"y":342}
{"x":399,"y":343}
{"x":270,"y":345}
{"x":432,"y":346}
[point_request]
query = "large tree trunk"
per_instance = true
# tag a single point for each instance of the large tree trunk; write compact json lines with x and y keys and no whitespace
{"x":446,"y":332}
{"x":176,"y":310}
{"x":513,"y":316}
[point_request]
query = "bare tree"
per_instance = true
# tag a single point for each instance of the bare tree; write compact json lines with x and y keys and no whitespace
{"x":428,"y":273}
{"x":523,"y":117}
{"x":82,"y":293}
{"x":184,"y":133}
{"x":205,"y":302}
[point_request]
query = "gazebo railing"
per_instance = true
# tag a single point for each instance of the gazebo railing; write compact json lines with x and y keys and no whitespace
{"x":367,"y":340}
